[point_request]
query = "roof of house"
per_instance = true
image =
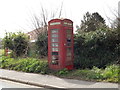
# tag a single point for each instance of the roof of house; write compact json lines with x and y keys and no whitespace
{"x":34,"y":33}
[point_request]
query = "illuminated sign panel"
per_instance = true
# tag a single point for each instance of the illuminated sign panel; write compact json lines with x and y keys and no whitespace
{"x":55,"y":23}
{"x":66,"y":23}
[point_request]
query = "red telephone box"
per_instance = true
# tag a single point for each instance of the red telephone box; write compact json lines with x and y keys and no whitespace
{"x":60,"y":44}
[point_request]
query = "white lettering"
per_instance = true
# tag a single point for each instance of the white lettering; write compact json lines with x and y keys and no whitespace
{"x":55,"y":23}
{"x":66,"y":23}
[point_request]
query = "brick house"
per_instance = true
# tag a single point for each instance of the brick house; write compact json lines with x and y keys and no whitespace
{"x":34,"y":34}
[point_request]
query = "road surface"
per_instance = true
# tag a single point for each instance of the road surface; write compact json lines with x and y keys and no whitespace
{"x":11,"y":84}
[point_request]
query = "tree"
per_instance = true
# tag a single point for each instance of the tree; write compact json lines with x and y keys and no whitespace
{"x":91,"y":22}
{"x":39,"y":23}
{"x":17,"y":42}
{"x":42,"y":45}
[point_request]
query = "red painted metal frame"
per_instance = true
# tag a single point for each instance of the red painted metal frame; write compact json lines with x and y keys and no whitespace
{"x":62,"y":41}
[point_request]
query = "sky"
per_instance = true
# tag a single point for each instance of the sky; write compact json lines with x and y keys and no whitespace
{"x":15,"y":15}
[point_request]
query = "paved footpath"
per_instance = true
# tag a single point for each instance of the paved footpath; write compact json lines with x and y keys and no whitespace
{"x":49,"y":81}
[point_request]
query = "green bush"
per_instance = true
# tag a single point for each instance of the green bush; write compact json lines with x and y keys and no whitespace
{"x":62,"y":72}
{"x":96,"y":73}
{"x":1,"y":52}
{"x":17,"y":42}
{"x":32,"y":50}
{"x":96,"y":48}
{"x":42,"y":45}
{"x":111,"y":73}
{"x":31,"y":65}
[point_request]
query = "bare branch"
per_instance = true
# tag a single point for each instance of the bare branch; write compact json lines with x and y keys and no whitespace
{"x":39,"y":22}
{"x":44,"y":16}
{"x":61,"y":10}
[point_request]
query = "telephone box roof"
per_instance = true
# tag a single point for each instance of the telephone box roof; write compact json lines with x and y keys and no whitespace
{"x":60,"y":19}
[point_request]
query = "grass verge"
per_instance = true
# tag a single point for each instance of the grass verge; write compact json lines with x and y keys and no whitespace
{"x":1,"y":52}
{"x":32,"y":65}
{"x":109,"y":74}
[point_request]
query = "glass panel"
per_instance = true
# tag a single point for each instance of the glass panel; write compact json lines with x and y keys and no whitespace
{"x":54,"y":35}
{"x":68,"y":44}
{"x":54,"y":62}
{"x":54,"y":53}
{"x":55,"y":44}
{"x":68,"y":58}
{"x":69,"y":31}
{"x":69,"y":35}
{"x":55,"y":57}
{"x":68,"y":40}
{"x":54,"y":30}
{"x":54,"y":39}
{"x":54,"y":49}
{"x":68,"y":51}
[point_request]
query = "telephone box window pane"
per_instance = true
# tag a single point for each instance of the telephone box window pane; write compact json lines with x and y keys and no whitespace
{"x":68,"y":58}
{"x":54,"y":53}
{"x":54,"y":39}
{"x":54,"y":62}
{"x":54,"y":49}
{"x":54,"y":35}
{"x":54,"y":44}
{"x":68,"y":44}
{"x":69,"y":31}
{"x":54,"y":30}
{"x":68,"y":39}
{"x":69,"y":35}
{"x":55,"y":57}
{"x":68,"y":51}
